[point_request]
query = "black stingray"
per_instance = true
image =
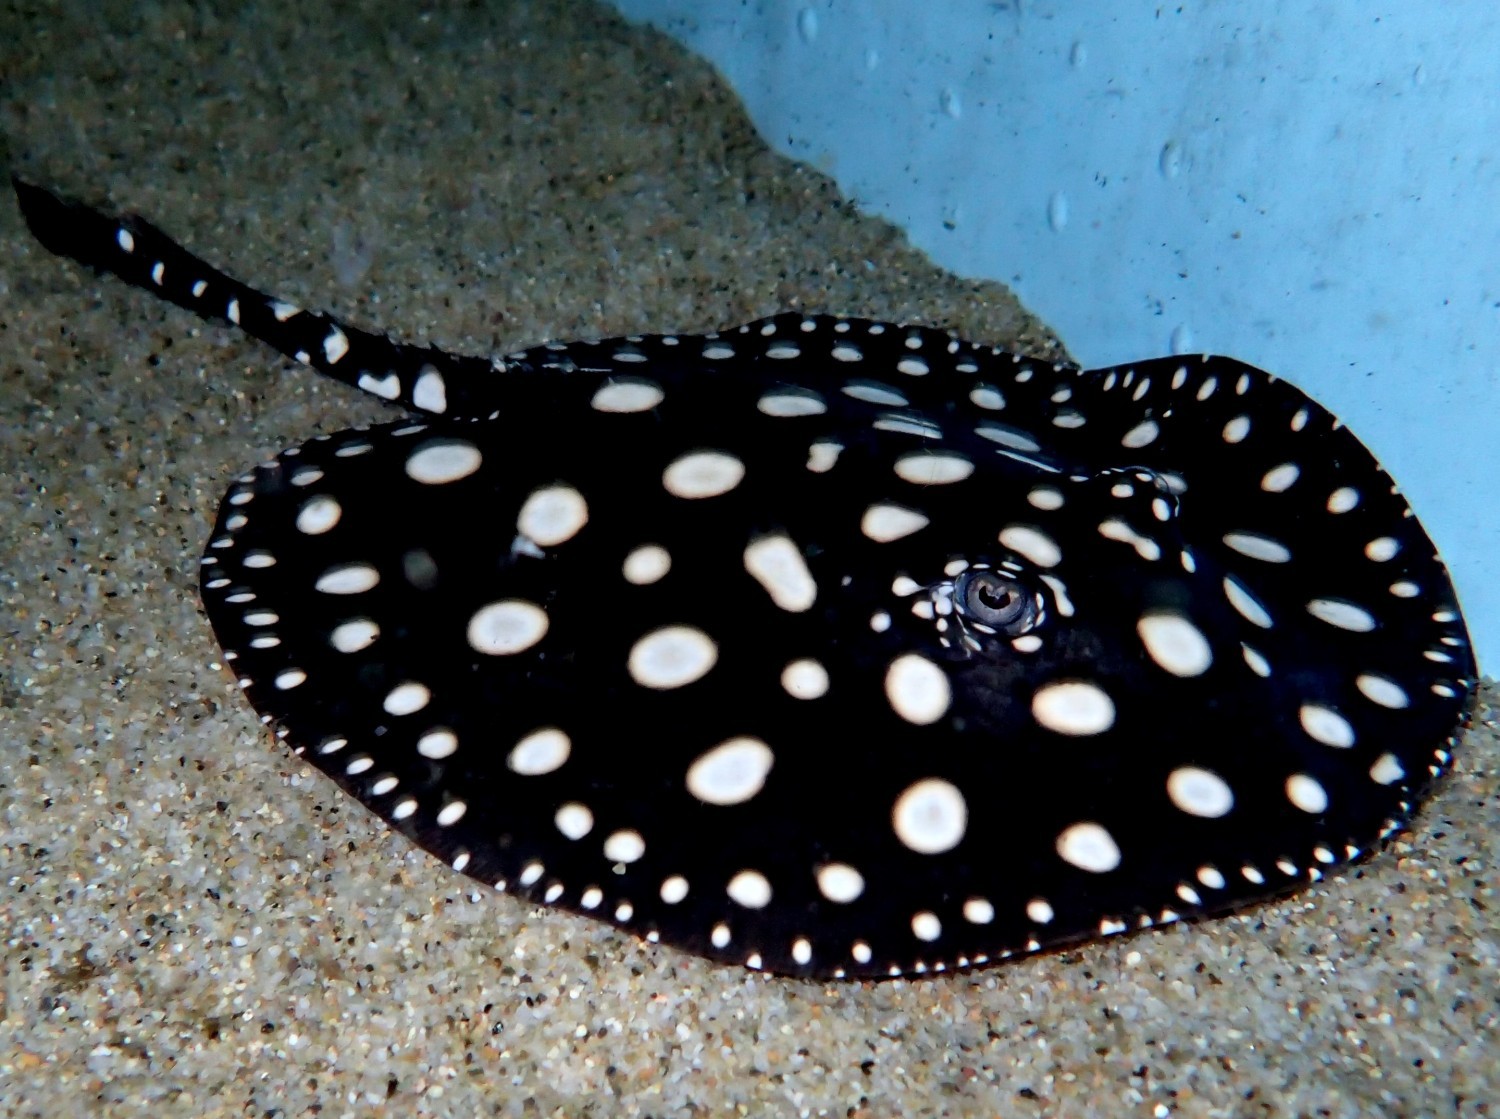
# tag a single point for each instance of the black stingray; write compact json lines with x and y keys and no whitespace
{"x":827,"y":646}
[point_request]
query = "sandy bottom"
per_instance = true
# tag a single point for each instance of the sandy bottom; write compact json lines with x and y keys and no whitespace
{"x":196,"y":924}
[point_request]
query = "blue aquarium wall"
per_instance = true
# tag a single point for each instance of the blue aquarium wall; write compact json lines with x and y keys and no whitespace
{"x":1312,"y":188}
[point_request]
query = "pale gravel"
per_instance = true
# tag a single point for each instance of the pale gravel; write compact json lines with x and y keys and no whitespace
{"x":195,"y":924}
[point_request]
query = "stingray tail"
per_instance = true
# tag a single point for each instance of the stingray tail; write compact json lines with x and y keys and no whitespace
{"x":131,"y":248}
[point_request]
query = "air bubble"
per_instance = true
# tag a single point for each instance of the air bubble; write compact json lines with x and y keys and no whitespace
{"x":1057,"y":211}
{"x":1174,"y":160}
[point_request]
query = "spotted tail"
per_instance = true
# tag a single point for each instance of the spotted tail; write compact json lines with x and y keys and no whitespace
{"x":420,"y":378}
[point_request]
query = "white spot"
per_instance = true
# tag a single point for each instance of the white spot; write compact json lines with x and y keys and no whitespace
{"x":805,"y":679}
{"x":404,"y":808}
{"x":674,"y":889}
{"x":627,"y":395}
{"x":1210,"y":877}
{"x":1145,"y":547}
{"x":335,"y":345}
{"x":1088,"y":846}
{"x":625,"y":846}
{"x":1326,"y":725}
{"x":840,"y":882}
{"x":703,"y":474}
{"x":199,"y":287}
{"x":926,"y":926}
{"x":574,"y":820}
{"x":1038,"y":911}
{"x":912,"y":366}
{"x":671,"y":657}
{"x":646,"y":564}
{"x":1306,"y":793}
{"x":1236,"y":429}
{"x":319,"y":515}
{"x":719,"y":351}
{"x":591,"y":898}
{"x":430,"y":393}
{"x":158,"y":272}
{"x":776,"y":563}
{"x":354,"y":635}
{"x":443,"y":460}
{"x":232,"y":312}
{"x":861,"y":952}
{"x":907,"y":425}
{"x":1279,"y":479}
{"x":930,"y":817}
{"x":289,"y":679}
{"x":1386,"y":770}
{"x":884,"y":523}
{"x":451,"y":813}
{"x":933,"y":469}
{"x":531,"y":873}
{"x":1073,"y":707}
{"x":1010,"y":437}
{"x":720,"y":935}
{"x":1141,"y":435}
{"x":732,"y":772}
{"x":1258,"y":547}
{"x":541,"y":751}
{"x":802,"y":950}
{"x":918,"y":690}
{"x":781,"y":351}
{"x":783,"y":403}
{"x":283,"y":311}
{"x":1031,"y":543}
{"x":1387,"y":693}
{"x":1175,"y":644}
{"x":387,"y":387}
{"x":506,"y":627}
{"x":846,"y":352}
{"x":1382,"y":549}
{"x":124,"y":239}
{"x":822,"y":456}
{"x":983,"y":396}
{"x":978,"y":911}
{"x":437,"y":744}
{"x":553,"y":515}
{"x":347,"y":578}
{"x":1045,"y":498}
{"x":1199,"y":792}
{"x":404,"y":699}
{"x":750,"y":889}
{"x":1245,"y":604}
{"x":1343,"y":499}
{"x":1344,"y":615}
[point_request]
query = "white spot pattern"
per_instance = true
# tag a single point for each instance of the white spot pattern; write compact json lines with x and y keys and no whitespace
{"x":703,"y":474}
{"x":776,"y":563}
{"x":672,"y":657}
{"x":732,"y":772}
{"x":930,"y":817}
{"x":506,"y":627}
{"x":1090,"y":847}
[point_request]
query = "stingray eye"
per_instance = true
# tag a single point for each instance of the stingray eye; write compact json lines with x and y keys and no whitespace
{"x":997,"y":600}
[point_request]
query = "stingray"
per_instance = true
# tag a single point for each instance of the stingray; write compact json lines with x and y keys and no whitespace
{"x":824,"y":646}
